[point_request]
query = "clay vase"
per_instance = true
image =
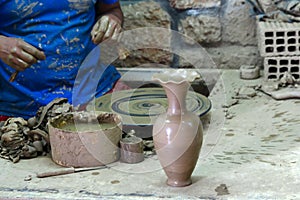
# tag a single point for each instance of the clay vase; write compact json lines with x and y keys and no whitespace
{"x":178,"y":133}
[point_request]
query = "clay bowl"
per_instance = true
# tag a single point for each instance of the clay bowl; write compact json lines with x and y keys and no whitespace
{"x":85,"y":139}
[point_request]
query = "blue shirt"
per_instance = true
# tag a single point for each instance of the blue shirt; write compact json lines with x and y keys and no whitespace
{"x":62,"y":30}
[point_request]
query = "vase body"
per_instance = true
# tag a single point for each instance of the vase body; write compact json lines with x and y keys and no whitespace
{"x":177,"y":136}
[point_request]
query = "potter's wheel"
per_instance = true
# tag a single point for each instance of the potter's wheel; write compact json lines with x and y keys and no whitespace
{"x":140,"y":107}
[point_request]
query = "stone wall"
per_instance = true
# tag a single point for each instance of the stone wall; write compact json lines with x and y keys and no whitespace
{"x":223,"y":27}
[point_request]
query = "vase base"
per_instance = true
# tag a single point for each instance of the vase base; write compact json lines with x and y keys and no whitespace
{"x":176,"y":183}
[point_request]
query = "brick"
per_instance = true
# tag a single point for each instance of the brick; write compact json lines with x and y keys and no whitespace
{"x":276,"y":66}
{"x":278,"y":38}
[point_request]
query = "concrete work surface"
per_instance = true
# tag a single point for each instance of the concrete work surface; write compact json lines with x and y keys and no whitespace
{"x":251,"y":151}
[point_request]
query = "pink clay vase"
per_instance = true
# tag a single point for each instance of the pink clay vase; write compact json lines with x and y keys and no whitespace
{"x":178,"y":133}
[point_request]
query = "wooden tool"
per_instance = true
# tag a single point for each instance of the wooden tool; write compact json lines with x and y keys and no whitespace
{"x":13,"y":76}
{"x":69,"y":170}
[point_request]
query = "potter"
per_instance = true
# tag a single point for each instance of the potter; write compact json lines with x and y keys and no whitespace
{"x":43,"y":44}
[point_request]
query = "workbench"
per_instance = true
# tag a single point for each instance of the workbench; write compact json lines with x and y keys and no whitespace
{"x":250,"y":151}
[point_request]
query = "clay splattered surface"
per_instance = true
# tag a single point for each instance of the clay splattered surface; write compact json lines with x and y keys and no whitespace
{"x":255,"y":154}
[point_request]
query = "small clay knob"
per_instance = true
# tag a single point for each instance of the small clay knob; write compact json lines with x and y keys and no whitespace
{"x":32,"y":122}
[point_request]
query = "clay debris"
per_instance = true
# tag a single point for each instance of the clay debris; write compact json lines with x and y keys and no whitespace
{"x":276,"y":10}
{"x":285,"y":88}
{"x":20,"y":138}
{"x":240,"y":94}
{"x":222,"y":189}
{"x":245,"y":93}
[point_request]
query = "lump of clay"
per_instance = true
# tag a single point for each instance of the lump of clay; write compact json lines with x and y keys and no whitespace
{"x":28,"y":139}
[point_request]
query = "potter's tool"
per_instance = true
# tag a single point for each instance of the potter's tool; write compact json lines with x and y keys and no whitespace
{"x":13,"y":76}
{"x":68,"y":170}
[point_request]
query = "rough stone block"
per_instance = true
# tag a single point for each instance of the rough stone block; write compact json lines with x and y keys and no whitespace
{"x":145,"y":14}
{"x":201,"y":28}
{"x":230,"y":57}
{"x":186,"y":4}
{"x":238,"y":27}
{"x":143,"y":43}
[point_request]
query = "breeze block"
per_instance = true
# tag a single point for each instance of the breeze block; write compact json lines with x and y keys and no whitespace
{"x":278,"y":38}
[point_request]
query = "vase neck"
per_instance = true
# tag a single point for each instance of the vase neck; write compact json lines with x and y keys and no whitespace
{"x":176,"y":95}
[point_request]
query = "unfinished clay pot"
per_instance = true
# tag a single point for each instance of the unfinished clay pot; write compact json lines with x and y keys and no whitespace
{"x":85,"y":139}
{"x":178,"y":133}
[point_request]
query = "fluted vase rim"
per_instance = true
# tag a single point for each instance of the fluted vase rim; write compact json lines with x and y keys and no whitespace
{"x":176,"y":76}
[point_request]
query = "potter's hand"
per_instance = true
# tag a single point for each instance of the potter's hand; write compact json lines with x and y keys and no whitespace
{"x":108,"y":26}
{"x":18,"y":54}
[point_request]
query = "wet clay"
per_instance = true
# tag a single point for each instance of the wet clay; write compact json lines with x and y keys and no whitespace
{"x":285,"y":93}
{"x":77,"y":141}
{"x":82,"y":127}
{"x":222,"y":189}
